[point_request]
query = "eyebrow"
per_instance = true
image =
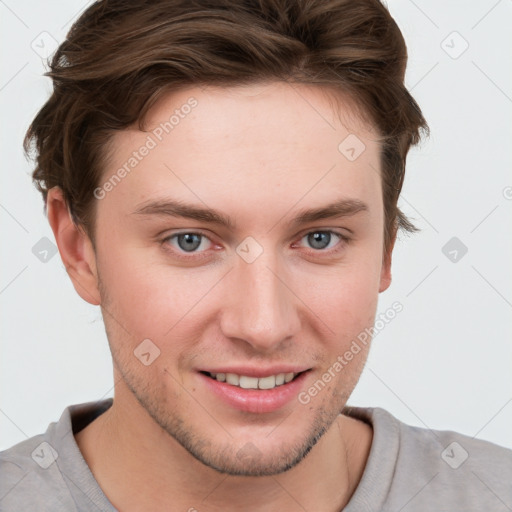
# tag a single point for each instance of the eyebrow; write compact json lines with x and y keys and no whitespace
{"x":173,"y":208}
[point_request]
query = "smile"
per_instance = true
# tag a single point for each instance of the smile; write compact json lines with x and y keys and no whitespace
{"x":246,"y":382}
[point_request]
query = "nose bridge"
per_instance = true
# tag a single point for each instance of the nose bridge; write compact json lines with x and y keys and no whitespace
{"x":260,"y":309}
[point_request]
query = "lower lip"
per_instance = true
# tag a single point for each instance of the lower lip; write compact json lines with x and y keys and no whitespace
{"x":256,"y":400}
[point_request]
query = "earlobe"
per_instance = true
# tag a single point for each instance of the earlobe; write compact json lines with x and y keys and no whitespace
{"x":385,"y":274}
{"x":75,"y":248}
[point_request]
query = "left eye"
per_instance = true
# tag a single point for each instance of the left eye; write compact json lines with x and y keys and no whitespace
{"x":321,"y":240}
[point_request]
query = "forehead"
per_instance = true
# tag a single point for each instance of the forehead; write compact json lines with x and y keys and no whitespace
{"x":269,"y":143}
{"x":279,"y":113}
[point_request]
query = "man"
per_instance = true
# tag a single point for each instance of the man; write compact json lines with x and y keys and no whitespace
{"x":222,"y":180}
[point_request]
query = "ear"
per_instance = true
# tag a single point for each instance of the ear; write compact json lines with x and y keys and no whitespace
{"x":75,"y":247}
{"x":385,"y":273}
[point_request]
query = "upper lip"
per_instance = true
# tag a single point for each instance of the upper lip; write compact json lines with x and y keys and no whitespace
{"x":256,"y":372}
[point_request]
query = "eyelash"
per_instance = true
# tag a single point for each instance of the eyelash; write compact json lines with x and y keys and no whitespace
{"x":344,"y":239}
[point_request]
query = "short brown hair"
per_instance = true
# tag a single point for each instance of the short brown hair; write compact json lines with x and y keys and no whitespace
{"x":121,"y":56}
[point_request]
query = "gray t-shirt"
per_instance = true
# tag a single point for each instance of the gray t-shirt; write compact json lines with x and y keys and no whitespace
{"x":408,"y":469}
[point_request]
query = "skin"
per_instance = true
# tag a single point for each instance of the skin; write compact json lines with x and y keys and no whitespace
{"x":260,"y":154}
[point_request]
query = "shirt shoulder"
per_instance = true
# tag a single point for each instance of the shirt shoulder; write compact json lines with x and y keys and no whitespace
{"x":48,"y":473}
{"x":422,"y":469}
{"x":30,"y":479}
{"x":453,"y":469}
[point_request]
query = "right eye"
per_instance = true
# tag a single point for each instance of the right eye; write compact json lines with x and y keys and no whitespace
{"x":187,"y":242}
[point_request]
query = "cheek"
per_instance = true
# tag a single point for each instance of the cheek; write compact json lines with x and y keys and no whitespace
{"x":152,"y":299}
{"x":346,"y":294}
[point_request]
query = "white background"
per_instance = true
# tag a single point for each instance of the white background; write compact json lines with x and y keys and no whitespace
{"x":444,"y":362}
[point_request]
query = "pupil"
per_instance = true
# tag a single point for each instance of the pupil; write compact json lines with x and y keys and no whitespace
{"x":192,"y":241}
{"x":315,"y":239}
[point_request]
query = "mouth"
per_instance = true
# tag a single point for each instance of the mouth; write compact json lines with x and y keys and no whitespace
{"x":248,"y":382}
{"x":254,"y":393}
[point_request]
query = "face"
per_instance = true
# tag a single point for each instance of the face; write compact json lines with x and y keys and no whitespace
{"x":257,"y":285}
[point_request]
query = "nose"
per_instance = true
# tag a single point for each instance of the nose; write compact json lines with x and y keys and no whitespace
{"x":259,"y":307}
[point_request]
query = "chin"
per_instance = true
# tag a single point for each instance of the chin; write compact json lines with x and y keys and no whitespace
{"x":250,"y":458}
{"x":250,"y":461}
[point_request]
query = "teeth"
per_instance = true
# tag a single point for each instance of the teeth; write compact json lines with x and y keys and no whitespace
{"x":245,"y":382}
{"x":267,"y":382}
{"x":248,"y":382}
{"x":232,"y":379}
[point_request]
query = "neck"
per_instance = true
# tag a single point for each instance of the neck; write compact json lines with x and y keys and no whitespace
{"x":140,"y":467}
